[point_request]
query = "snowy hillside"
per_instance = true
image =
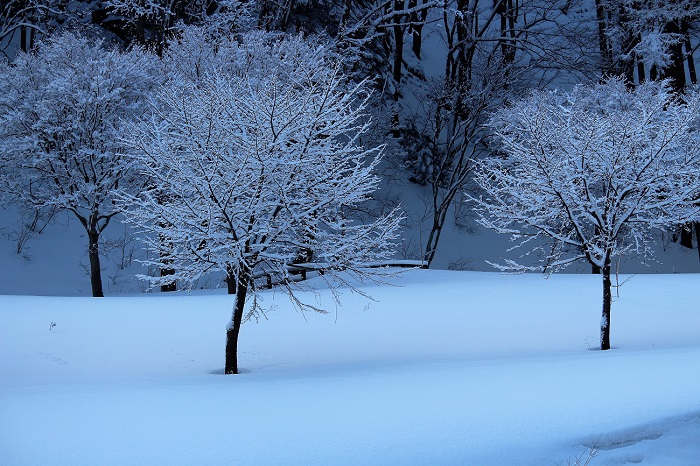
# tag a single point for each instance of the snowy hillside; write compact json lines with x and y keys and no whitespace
{"x":442,"y":368}
{"x":412,"y":51}
{"x":55,"y":263}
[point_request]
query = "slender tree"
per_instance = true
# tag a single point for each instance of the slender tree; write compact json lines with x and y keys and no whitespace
{"x":593,"y":171}
{"x":253,"y":164}
{"x":61,"y":110}
{"x":493,"y":48}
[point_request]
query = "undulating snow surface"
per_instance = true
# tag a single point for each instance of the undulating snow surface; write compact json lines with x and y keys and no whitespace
{"x":442,"y":368}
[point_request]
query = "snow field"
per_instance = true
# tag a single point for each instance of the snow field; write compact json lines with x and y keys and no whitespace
{"x":445,"y":368}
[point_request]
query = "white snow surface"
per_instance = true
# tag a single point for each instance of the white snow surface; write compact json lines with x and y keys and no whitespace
{"x":443,"y":367}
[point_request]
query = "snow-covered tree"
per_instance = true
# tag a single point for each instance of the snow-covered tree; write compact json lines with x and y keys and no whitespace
{"x":594,"y":171}
{"x":253,"y":169}
{"x":194,"y":53}
{"x":61,"y":110}
{"x":153,"y":22}
{"x":645,"y":39}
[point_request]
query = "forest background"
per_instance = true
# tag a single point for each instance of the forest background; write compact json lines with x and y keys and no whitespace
{"x":438,"y":71}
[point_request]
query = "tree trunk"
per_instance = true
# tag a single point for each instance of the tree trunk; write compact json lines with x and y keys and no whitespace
{"x":32,"y":38}
{"x":439,"y":215}
{"x":166,"y":247}
{"x":397,"y":70}
{"x":685,"y":30}
{"x":603,"y":41}
{"x":417,"y":40}
{"x":23,"y":39}
{"x":231,"y":282}
{"x":417,"y":22}
{"x":94,"y":254}
{"x":630,"y":40}
{"x":506,"y":11}
{"x":653,"y":73}
{"x":241,"y":286}
{"x":641,"y":73}
{"x":676,"y":70}
{"x":697,"y":235}
{"x":687,"y":236}
{"x":170,"y":287}
{"x":595,"y":268}
{"x":607,"y":302}
{"x":140,"y":32}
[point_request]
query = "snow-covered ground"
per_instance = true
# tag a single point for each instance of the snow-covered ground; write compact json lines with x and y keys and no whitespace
{"x":442,"y":368}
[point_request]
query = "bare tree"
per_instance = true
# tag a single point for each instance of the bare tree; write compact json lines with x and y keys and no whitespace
{"x":373,"y":33}
{"x":593,"y":171}
{"x":494,"y":49}
{"x":23,"y":22}
{"x":253,"y":166}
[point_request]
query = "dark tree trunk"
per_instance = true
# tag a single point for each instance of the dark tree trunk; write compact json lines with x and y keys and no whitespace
{"x":641,"y":73}
{"x":166,"y":247}
{"x":240,"y":285}
{"x":607,"y":302}
{"x":603,"y":41}
{"x":697,"y":235}
{"x":595,"y":268}
{"x":686,"y":239}
{"x":676,"y":70}
{"x":433,"y":238}
{"x":231,"y":282}
{"x":417,"y":40}
{"x":94,"y":255}
{"x":653,"y":73}
{"x":397,"y":69}
{"x":169,"y":287}
{"x":629,"y":41}
{"x":140,"y":30}
{"x":166,"y":271}
{"x":440,"y":210}
{"x":23,"y":39}
{"x":507,"y":11}
{"x":417,"y":23}
{"x":466,"y":45}
{"x":637,"y":38}
{"x":692,"y":74}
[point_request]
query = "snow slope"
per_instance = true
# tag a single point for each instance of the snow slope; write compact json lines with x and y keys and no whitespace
{"x":55,"y":263}
{"x":443,"y":368}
